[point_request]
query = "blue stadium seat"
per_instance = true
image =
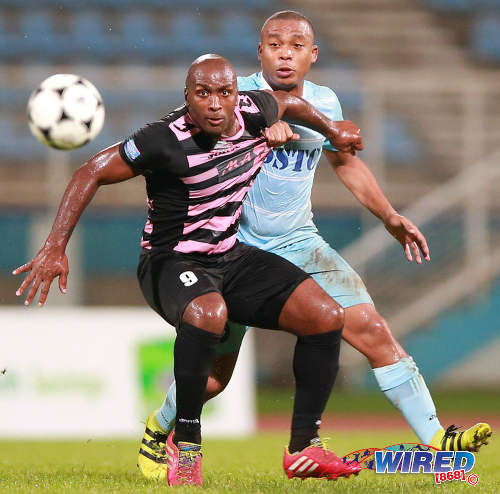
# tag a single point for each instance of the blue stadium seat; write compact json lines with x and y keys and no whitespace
{"x":9,"y":44}
{"x":93,"y":39}
{"x":16,"y":141}
{"x":38,"y":36}
{"x":237,"y":37}
{"x":485,"y":37}
{"x":133,"y":3}
{"x":137,"y":30}
{"x":151,"y":101}
{"x":186,"y":36}
{"x":36,"y":24}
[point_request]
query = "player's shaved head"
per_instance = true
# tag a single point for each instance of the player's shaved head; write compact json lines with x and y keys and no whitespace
{"x":212,"y":67}
{"x":211,"y":95}
{"x":287,"y":15}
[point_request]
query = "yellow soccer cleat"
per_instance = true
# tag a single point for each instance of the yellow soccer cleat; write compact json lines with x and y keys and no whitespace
{"x":152,"y":461}
{"x":469,"y":440}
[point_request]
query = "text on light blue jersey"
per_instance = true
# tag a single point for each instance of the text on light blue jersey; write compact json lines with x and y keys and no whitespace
{"x":277,"y":210}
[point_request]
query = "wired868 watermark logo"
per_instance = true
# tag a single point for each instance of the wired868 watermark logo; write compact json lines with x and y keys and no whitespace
{"x":446,"y":466}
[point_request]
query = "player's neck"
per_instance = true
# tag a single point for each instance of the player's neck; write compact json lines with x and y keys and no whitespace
{"x":294,"y":91}
{"x":232,"y":129}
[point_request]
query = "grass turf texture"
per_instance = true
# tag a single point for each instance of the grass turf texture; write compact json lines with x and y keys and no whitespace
{"x":237,"y":466}
{"x":475,"y":402}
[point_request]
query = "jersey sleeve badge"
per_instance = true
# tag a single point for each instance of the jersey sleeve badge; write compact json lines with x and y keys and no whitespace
{"x":131,"y":150}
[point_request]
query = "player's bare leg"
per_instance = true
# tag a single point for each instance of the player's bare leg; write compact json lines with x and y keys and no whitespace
{"x":402,"y":383}
{"x":221,"y":374}
{"x":368,"y":332}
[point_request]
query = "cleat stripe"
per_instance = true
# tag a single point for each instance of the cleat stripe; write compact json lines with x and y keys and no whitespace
{"x":152,"y":457}
{"x":316,"y":465}
{"x":304,"y":465}
{"x":294,"y":465}
{"x":447,"y":442}
{"x":159,"y":435}
{"x":150,"y":451}
{"x":452,"y":442}
{"x":459,"y":441}
{"x":150,"y":444}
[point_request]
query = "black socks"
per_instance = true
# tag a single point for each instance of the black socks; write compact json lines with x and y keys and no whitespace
{"x":194,"y":352}
{"x":315,"y":366}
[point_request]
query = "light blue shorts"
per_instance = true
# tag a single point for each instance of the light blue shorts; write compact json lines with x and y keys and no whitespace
{"x":326,"y":267}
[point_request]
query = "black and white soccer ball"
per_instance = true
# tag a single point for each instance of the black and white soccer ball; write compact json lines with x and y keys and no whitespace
{"x":65,"y":111}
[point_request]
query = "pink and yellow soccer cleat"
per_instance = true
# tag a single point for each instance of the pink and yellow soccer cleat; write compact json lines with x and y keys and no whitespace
{"x":316,"y":461}
{"x":183,"y":462}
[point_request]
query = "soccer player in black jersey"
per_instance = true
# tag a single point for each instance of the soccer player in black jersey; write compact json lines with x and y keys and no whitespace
{"x":198,"y":162}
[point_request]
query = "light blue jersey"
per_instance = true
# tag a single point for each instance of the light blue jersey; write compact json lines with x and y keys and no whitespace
{"x":277,"y":209}
{"x":277,"y":214}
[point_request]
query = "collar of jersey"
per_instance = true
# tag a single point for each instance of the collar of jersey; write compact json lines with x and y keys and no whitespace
{"x":242,"y":126}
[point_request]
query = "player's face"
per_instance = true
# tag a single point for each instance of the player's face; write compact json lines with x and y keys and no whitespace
{"x":286,"y":52}
{"x":211,"y":96}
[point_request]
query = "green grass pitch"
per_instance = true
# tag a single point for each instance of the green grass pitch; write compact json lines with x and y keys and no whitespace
{"x":234,"y":466}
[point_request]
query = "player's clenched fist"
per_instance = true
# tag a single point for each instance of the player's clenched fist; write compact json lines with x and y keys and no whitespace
{"x":346,"y":136}
{"x":279,"y":133}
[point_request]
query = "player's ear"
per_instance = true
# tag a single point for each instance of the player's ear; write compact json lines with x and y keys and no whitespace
{"x":259,"y":50}
{"x":314,"y":53}
{"x":186,"y":96}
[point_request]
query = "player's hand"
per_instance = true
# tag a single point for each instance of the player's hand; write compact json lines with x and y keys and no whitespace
{"x":42,"y":270}
{"x":346,"y":136}
{"x":409,"y":236}
{"x":279,"y":133}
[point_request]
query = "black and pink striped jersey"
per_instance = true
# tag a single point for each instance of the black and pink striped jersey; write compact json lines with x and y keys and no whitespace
{"x":195,"y":188}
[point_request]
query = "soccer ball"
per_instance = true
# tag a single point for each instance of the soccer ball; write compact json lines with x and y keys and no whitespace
{"x":65,"y":111}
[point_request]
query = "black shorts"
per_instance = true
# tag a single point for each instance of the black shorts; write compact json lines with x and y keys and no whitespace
{"x":254,"y":284}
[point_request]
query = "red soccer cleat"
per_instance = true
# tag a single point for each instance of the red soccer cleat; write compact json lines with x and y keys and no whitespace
{"x":316,"y":461}
{"x":183,"y":462}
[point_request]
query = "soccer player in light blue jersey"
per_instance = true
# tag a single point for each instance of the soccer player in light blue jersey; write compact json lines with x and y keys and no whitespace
{"x":277,"y":217}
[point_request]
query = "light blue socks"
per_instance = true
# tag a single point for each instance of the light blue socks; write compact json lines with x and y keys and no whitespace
{"x":167,"y":412}
{"x":405,"y":388}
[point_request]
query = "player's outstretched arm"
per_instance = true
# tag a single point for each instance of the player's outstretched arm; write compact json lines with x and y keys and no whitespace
{"x":358,"y":178}
{"x":107,"y":167}
{"x":344,"y":135}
